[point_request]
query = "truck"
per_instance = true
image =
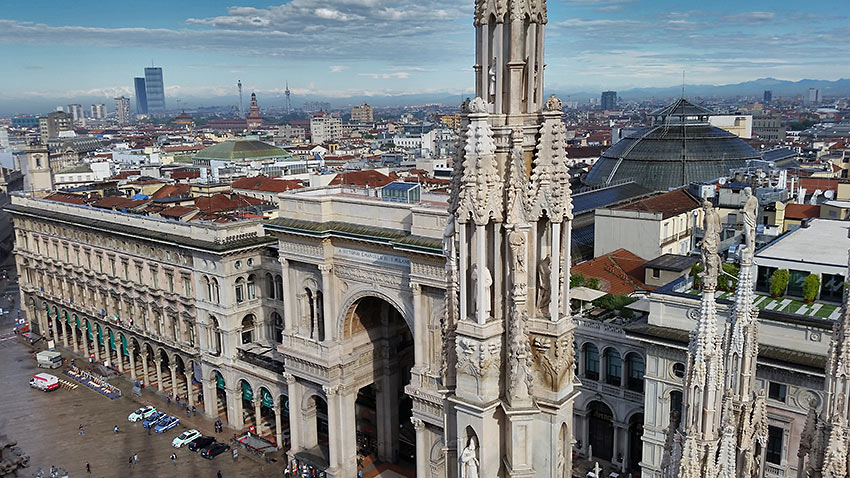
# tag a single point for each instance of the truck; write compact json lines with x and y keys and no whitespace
{"x":44,"y":382}
{"x":49,"y":359}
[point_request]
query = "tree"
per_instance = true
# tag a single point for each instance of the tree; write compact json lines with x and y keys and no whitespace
{"x":728,"y":280}
{"x":696,"y":269}
{"x":779,"y":282}
{"x":811,"y":286}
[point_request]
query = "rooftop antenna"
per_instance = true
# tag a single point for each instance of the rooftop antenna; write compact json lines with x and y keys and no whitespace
{"x":241,"y":106}
{"x":683,"y":84}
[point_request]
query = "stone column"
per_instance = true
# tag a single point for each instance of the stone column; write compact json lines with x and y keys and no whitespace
{"x":159,"y":374}
{"x":336,"y":429}
{"x":86,"y":340}
{"x":327,"y":301}
{"x":190,"y":393}
{"x":388,"y":426}
{"x":145,"y":369}
{"x":278,"y":433}
{"x":96,"y":345}
{"x":293,"y":393}
{"x":132,"y":363}
{"x":60,"y":324}
{"x":419,"y":327}
{"x":75,"y":340}
{"x":120,"y":356}
{"x":422,"y":447}
{"x":258,"y":414}
{"x":235,"y":411}
{"x":173,"y":369}
{"x":288,"y":312}
{"x":616,"y":450}
{"x":208,"y":388}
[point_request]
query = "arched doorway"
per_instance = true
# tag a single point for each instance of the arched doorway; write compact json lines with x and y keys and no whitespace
{"x":601,"y":423}
{"x":266,"y":426}
{"x":635,"y":443}
{"x":247,"y":396}
{"x":382,"y":409}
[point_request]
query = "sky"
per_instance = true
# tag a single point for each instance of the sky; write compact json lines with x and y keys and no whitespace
{"x":341,"y":48}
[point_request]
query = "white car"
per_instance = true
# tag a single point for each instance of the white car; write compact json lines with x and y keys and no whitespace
{"x":185,"y":438}
{"x":141,"y":413}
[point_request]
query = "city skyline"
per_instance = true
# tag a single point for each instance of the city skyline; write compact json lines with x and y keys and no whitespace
{"x":346,"y":48}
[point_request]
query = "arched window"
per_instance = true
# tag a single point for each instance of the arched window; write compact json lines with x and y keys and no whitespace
{"x":320,"y":323}
{"x":613,"y":367}
{"x":215,"y":340}
{"x":634,"y":369}
{"x":591,"y":362}
{"x":675,"y":406}
{"x":277,"y":324}
{"x":248,"y":329}
{"x":216,"y":291}
{"x":270,"y":286}
{"x":311,"y":312}
{"x":278,"y":287}
{"x":240,"y":290}
{"x":208,"y":288}
{"x":252,"y":294}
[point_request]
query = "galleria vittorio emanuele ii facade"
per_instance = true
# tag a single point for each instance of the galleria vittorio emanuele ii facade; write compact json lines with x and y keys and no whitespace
{"x":442,"y":332}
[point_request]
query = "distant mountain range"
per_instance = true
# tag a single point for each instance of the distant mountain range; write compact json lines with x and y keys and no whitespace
{"x":754,"y":88}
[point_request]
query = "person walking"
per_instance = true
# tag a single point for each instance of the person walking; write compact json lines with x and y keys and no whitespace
{"x":174,"y":458}
{"x":115,"y":429}
{"x":88,"y":468}
{"x":82,"y":430}
{"x":188,"y":413}
{"x":194,"y":411}
{"x":168,"y":400}
{"x":135,"y":458}
{"x":218,"y":475}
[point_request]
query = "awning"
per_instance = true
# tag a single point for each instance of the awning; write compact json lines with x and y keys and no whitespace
{"x":586,"y":294}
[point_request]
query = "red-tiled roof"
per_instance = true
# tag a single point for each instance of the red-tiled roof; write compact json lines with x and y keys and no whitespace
{"x":266,"y":184}
{"x":369,"y":177}
{"x":178,"y":175}
{"x":66,"y":198}
{"x":619,"y":272}
{"x":118,"y":202}
{"x":801,"y":211}
{"x":172,"y":190}
{"x":669,"y":204}
{"x":221,"y":203}
{"x":177,"y":211}
{"x":181,"y":148}
{"x":813,"y":184}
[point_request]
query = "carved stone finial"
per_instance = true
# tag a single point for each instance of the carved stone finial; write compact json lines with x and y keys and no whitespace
{"x":553,"y":104}
{"x":477,"y":106}
{"x":464,"y":107}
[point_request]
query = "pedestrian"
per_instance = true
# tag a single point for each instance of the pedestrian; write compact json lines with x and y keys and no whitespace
{"x":149,"y":429}
{"x":168,"y":400}
{"x":188,"y":414}
{"x":194,"y":411}
{"x":82,"y":430}
{"x":174,"y":459}
{"x":177,"y":399}
{"x":88,"y":467}
{"x":115,"y":429}
{"x":218,"y":475}
{"x":135,"y":458}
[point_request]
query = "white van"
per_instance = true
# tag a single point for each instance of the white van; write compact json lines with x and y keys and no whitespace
{"x":44,"y":382}
{"x":49,"y":359}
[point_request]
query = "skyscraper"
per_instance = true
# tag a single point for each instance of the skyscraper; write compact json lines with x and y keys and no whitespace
{"x":814,"y":96}
{"x":141,"y":96}
{"x":76,"y":112}
{"x":98,"y":111}
{"x":155,"y":89}
{"x":122,"y":109}
{"x":768,"y":96}
{"x":609,"y":100}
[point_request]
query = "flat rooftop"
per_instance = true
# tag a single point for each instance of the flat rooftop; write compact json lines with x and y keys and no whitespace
{"x":427,"y":199}
{"x":824,"y":242}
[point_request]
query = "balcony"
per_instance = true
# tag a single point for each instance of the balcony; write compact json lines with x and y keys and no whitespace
{"x":774,"y":471}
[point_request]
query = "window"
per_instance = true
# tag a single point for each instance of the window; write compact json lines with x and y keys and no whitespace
{"x":679,"y":369}
{"x":100,"y":264}
{"x":215,"y":291}
{"x":270,"y":286}
{"x":613,"y":367}
{"x":277,"y":323}
{"x":774,"y":444}
{"x":155,"y":277}
{"x":250,"y":288}
{"x":635,"y":368}
{"x":278,"y":287}
{"x":832,"y":287}
{"x":777,"y":391}
{"x":187,"y":287}
{"x":139,"y":274}
{"x":675,"y":406}
{"x":656,"y":273}
{"x":591,"y":362}
{"x":169,"y":282}
{"x":795,"y":282}
{"x":126,"y":268}
{"x":240,"y":291}
{"x":248,"y":329}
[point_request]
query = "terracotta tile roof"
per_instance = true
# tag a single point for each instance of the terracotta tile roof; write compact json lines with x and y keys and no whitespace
{"x":619,"y":272}
{"x":172,"y":190}
{"x":669,"y":204}
{"x":813,"y":184}
{"x":266,"y":184}
{"x":118,"y":202}
{"x":66,"y":198}
{"x":222,"y":203}
{"x":177,"y":175}
{"x":179,"y":148}
{"x":801,"y":211}
{"x":177,"y":212}
{"x":369,"y":177}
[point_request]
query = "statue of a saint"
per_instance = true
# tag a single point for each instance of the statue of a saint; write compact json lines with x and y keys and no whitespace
{"x":469,"y":460}
{"x":544,"y":283}
{"x":709,"y":246}
{"x":491,"y":85}
{"x":751,"y":210}
{"x":487,"y":280}
{"x":449,"y":238}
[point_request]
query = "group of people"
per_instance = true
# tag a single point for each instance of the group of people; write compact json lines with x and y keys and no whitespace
{"x":218,"y":426}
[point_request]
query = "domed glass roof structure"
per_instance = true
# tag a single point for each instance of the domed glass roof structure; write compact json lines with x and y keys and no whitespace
{"x":679,"y":148}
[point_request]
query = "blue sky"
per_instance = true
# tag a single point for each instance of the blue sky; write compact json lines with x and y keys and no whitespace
{"x":339,"y":48}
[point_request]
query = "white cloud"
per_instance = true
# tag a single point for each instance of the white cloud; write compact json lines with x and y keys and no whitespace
{"x":399,"y":75}
{"x":338,"y":68}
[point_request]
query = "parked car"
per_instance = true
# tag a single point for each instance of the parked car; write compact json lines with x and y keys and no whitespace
{"x":214,"y":450}
{"x":141,"y":414}
{"x":185,"y":437}
{"x":153,"y":419}
{"x":166,"y":424}
{"x":201,"y":443}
